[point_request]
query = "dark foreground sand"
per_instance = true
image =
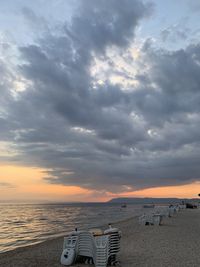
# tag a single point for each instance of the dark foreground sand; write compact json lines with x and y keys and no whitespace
{"x":175,"y":243}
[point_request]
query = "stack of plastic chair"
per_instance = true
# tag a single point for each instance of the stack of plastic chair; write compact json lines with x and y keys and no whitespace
{"x":172,"y":210}
{"x":150,"y":219}
{"x":182,"y":206}
{"x":143,"y":219}
{"x":177,"y":207}
{"x":69,"y":249}
{"x":85,"y":245}
{"x":157,"y":219}
{"x":163,"y":210}
{"x":114,"y":243}
{"x":100,"y":249}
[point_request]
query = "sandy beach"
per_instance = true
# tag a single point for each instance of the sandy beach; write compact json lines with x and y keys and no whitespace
{"x":175,"y":243}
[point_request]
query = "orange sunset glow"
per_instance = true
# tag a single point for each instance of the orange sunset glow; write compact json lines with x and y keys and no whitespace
{"x":27,"y":184}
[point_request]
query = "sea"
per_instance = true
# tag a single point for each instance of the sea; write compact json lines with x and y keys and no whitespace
{"x":28,"y":224}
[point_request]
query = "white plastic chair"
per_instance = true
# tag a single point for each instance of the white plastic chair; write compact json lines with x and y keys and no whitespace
{"x":101,"y":249}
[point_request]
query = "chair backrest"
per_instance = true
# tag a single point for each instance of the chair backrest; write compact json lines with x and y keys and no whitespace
{"x":70,"y":241}
{"x":86,"y":245}
{"x":102,"y":251}
{"x":114,"y":241}
{"x":114,"y":246}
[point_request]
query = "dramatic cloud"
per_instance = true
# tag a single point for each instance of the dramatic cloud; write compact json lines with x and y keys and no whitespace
{"x":103,"y":134}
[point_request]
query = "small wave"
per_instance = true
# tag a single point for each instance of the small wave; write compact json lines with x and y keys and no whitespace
{"x":43,"y":219}
{"x":19,"y":222}
{"x":57,"y":222}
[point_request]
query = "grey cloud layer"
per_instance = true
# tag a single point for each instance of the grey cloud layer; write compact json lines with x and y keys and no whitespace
{"x":107,"y":137}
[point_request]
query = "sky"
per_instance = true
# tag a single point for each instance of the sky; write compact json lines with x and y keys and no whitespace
{"x":99,"y":99}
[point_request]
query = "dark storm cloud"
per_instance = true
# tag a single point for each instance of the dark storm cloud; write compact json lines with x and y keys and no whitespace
{"x":104,"y":23}
{"x":105,"y":137}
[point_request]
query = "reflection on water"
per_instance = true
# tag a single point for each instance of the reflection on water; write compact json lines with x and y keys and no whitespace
{"x":29,"y":224}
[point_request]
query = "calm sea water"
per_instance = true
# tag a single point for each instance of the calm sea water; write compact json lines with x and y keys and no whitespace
{"x":22,"y":225}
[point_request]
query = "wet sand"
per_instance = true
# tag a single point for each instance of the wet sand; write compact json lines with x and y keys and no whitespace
{"x":175,"y":243}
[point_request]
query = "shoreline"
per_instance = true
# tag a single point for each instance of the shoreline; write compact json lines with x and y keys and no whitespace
{"x":175,"y":243}
{"x":62,"y":235}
